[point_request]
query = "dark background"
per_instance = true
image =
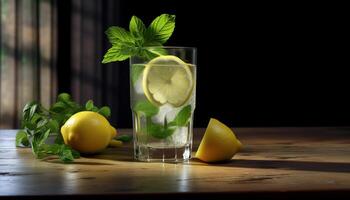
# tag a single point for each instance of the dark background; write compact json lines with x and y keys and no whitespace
{"x":259,"y":64}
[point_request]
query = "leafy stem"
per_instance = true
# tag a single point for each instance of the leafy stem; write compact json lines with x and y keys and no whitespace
{"x":38,"y":123}
{"x":131,"y":43}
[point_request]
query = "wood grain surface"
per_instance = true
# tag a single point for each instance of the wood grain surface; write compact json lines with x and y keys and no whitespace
{"x":275,"y":162}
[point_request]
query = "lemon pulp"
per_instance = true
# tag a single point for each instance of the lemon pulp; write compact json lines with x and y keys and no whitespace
{"x":167,"y":79}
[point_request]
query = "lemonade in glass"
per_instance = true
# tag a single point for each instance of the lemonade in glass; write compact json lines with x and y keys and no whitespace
{"x":162,"y":92}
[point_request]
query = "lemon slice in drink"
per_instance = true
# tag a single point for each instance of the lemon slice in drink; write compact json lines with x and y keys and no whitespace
{"x":167,"y":79}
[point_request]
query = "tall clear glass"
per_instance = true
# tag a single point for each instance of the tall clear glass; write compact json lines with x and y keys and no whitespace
{"x":163,"y":94}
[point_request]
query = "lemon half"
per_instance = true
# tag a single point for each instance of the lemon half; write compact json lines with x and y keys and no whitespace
{"x":219,"y":143}
{"x":167,"y":79}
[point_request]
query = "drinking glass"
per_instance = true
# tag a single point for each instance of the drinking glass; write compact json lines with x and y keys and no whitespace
{"x":163,"y":94}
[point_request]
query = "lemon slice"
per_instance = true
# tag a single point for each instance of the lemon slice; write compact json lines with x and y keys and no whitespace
{"x":219,"y":143}
{"x":167,"y":79}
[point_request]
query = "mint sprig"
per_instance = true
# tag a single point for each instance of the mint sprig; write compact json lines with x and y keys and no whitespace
{"x":146,"y":108}
{"x":38,"y":123}
{"x":160,"y":29}
{"x":182,"y":118}
{"x":137,"y":28}
{"x":166,"y":129}
{"x":133,"y":42}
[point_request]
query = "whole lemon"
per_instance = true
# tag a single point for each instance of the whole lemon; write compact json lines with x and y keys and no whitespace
{"x":87,"y":132}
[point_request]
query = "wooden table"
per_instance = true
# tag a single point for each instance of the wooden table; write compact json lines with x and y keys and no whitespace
{"x":275,"y":162}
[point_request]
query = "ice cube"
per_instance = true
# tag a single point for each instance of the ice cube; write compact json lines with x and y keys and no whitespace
{"x":180,"y":136}
{"x":165,"y":110}
{"x":138,"y":86}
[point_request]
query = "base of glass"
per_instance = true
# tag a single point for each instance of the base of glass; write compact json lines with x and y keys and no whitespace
{"x":168,"y":154}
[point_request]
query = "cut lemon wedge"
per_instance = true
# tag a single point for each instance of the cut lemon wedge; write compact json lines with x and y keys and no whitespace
{"x":219,"y":143}
{"x":167,"y":79}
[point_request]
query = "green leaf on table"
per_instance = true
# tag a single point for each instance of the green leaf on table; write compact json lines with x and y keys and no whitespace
{"x":22,"y":138}
{"x":182,"y":117}
{"x":124,"y":138}
{"x":59,"y":139}
{"x":53,"y":126}
{"x":146,"y":108}
{"x":39,"y":123}
{"x":64,"y":97}
{"x":58,"y":106}
{"x":43,"y":136}
{"x":64,"y":152}
{"x":105,"y":111}
{"x":66,"y":155}
{"x":29,"y":125}
{"x":89,"y":105}
{"x":33,"y":110}
{"x":160,"y":29}
{"x":27,"y":110}
{"x":36,"y":118}
{"x":136,"y":71}
{"x":137,"y":27}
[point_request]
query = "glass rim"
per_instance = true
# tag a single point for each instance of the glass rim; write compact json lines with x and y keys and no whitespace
{"x":172,"y":47}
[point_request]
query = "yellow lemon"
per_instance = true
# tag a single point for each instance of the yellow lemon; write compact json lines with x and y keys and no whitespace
{"x":167,"y":79}
{"x":87,"y":132}
{"x":219,"y":143}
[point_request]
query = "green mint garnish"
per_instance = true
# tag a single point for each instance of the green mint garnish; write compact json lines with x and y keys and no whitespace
{"x":159,"y":131}
{"x":146,"y":108}
{"x":22,"y":138}
{"x":182,"y":117}
{"x":124,"y":138}
{"x":131,"y":43}
{"x":137,"y":28}
{"x":160,"y":29}
{"x":166,"y":129}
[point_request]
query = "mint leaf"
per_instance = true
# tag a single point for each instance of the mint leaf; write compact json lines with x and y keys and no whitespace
{"x":53,"y":126}
{"x":182,"y":117}
{"x":157,"y":50}
{"x":64,"y":97}
{"x":58,"y":106}
{"x":89,"y":105}
{"x":116,"y":53}
{"x":160,"y":29}
{"x":117,"y":35}
{"x":124,"y":138}
{"x":136,"y":71}
{"x":22,"y":138}
{"x":146,"y":108}
{"x":157,"y":130}
{"x":152,"y":52}
{"x":105,"y":111}
{"x":66,"y":155}
{"x":33,"y":110}
{"x":136,"y":27}
{"x":64,"y":152}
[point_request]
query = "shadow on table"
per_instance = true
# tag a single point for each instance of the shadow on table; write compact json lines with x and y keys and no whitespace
{"x":284,"y":164}
{"x":103,"y":158}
